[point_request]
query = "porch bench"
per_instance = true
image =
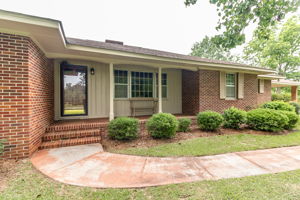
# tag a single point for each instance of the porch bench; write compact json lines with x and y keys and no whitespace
{"x":142,"y":105}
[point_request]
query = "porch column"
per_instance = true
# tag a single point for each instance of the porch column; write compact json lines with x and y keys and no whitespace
{"x":159,"y":91}
{"x":111,"y":91}
{"x":294,"y":93}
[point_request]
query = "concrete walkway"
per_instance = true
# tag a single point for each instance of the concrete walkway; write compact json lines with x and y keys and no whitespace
{"x":88,"y":165}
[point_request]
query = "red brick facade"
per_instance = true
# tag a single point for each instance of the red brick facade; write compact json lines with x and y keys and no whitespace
{"x":201,"y":91}
{"x":266,"y":96}
{"x":41,"y":88}
{"x":26,"y":95}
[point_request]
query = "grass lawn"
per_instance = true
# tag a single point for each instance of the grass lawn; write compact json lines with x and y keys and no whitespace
{"x":27,"y":184}
{"x":217,"y":145}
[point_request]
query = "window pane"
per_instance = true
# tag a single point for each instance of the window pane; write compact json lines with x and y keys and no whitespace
{"x":230,"y":92}
{"x":75,"y":88}
{"x":121,"y":91}
{"x":230,"y":79}
{"x":231,"y":85}
{"x":164,"y":82}
{"x":121,"y":84}
{"x":141,"y":84}
{"x":164,"y":92}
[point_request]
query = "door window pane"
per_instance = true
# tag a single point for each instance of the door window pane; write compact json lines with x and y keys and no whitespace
{"x":74,"y":90}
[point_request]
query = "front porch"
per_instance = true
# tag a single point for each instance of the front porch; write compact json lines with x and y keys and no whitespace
{"x":294,"y":85}
{"x":87,"y":89}
{"x":86,"y":131}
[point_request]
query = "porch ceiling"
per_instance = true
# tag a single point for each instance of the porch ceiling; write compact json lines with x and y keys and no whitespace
{"x":48,"y":34}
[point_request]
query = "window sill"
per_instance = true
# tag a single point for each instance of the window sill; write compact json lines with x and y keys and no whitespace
{"x":231,"y":99}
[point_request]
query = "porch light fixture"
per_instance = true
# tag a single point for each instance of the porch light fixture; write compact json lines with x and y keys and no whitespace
{"x":92,"y":71}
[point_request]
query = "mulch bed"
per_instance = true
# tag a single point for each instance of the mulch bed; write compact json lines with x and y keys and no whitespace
{"x":148,"y":141}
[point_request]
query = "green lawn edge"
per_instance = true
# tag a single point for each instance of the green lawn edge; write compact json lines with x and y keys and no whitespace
{"x":216,"y":145}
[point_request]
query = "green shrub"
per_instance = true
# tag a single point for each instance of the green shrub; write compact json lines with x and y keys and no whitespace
{"x":162,"y":125}
{"x":281,"y":97}
{"x":234,"y":118}
{"x":293,"y":119}
{"x":267,"y":120}
{"x":123,"y":128}
{"x":209,"y":120}
{"x":278,"y":105}
{"x":184,"y":124}
{"x":297,"y":107}
{"x":1,"y":146}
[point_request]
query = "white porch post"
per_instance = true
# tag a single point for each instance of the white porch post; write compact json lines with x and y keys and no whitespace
{"x":159,"y":91}
{"x":111,"y":91}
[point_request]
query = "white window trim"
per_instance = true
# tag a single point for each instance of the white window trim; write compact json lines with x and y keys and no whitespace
{"x":235,"y":85}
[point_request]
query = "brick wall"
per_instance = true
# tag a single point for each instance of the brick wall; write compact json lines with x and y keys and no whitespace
{"x":201,"y":91}
{"x":41,"y":91}
{"x":266,"y":96}
{"x":21,"y":100}
{"x":210,"y":92}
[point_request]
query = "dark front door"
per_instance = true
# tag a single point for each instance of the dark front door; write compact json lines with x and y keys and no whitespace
{"x":73,"y":90}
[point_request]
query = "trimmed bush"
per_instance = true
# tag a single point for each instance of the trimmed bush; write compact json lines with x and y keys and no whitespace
{"x":267,"y":120}
{"x":123,"y":128}
{"x":293,"y":119}
{"x":281,"y":97}
{"x":209,"y":120}
{"x":234,"y":118}
{"x":162,"y":125}
{"x":279,"y":105}
{"x":297,"y":107}
{"x":184,"y":124}
{"x":1,"y":147}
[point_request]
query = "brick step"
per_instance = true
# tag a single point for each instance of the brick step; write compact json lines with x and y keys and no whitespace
{"x":62,"y":135}
{"x":71,"y":127}
{"x":69,"y":142}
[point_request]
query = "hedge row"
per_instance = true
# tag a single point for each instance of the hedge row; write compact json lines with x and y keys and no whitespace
{"x":272,"y":116}
{"x":162,"y":125}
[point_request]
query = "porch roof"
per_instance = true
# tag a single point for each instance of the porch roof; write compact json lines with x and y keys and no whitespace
{"x":284,"y":83}
{"x":48,"y":34}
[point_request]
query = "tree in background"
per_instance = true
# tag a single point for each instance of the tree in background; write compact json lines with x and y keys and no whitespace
{"x":235,"y":16}
{"x":208,"y":49}
{"x":280,"y":51}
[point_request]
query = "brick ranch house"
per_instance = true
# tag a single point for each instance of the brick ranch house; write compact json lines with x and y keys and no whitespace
{"x":47,"y":79}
